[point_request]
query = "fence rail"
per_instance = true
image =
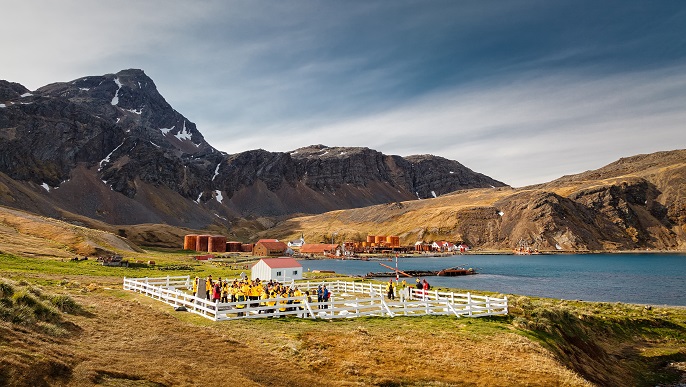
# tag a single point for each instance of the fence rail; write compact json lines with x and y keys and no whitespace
{"x":348,"y":300}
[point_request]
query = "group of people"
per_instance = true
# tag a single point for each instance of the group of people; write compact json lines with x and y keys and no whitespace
{"x":323,"y":295}
{"x":391,"y":288}
{"x":272,"y":294}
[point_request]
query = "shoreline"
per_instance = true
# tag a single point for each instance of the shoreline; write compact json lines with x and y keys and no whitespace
{"x":489,"y":252}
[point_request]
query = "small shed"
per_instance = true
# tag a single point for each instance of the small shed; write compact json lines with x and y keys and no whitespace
{"x":278,"y":269}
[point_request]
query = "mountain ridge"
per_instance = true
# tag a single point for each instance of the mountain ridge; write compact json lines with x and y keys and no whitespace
{"x":116,"y":137}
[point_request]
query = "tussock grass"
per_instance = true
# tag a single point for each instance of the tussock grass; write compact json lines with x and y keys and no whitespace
{"x":27,"y":305}
{"x":611,"y":344}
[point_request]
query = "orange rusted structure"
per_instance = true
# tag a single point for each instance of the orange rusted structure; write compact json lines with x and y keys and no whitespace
{"x":234,"y":247}
{"x":190,"y":241}
{"x":216,"y":244}
{"x":203,"y":243}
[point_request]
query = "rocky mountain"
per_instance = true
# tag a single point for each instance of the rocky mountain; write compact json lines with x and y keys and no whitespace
{"x":636,"y":203}
{"x":110,"y":148}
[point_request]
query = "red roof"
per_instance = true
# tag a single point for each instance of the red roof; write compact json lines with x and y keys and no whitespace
{"x":270,"y":245}
{"x":280,"y":263}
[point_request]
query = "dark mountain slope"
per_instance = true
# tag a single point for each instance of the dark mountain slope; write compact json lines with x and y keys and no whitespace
{"x":110,"y":147}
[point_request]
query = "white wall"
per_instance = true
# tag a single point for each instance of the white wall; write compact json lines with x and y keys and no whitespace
{"x":265,"y":273}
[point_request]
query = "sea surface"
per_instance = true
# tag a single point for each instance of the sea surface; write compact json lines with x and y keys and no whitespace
{"x":656,"y":279}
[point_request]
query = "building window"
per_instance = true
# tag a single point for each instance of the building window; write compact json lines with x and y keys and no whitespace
{"x":278,"y":274}
{"x":295,"y":272}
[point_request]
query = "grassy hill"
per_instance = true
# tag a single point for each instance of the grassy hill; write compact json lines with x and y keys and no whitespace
{"x":634,"y":203}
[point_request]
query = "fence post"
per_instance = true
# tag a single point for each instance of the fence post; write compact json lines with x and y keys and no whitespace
{"x":385,"y":306}
{"x":452,"y":297}
{"x":437,"y":298}
{"x":216,"y":311}
{"x":488,"y":305}
{"x":309,"y":308}
{"x":469,"y":303}
{"x":506,"y":307}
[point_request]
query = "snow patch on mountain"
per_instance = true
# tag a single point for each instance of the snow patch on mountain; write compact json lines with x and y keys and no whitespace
{"x":115,"y":100}
{"x":107,"y":159}
{"x":167,"y":130}
{"x":184,"y":134}
{"x":216,"y":171}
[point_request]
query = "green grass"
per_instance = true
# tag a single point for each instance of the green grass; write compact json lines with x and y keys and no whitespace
{"x":168,"y":265}
{"x":629,"y":343}
{"x":25,"y":304}
{"x":622,"y":339}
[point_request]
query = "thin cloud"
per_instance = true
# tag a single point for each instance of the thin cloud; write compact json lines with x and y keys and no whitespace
{"x":521,"y":132}
{"x":523,"y":91}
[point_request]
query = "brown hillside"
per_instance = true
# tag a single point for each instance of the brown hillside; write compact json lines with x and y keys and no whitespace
{"x":634,"y":203}
{"x":25,"y":234}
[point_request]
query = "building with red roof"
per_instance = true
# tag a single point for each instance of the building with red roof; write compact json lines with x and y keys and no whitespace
{"x":320,"y":249}
{"x":269,"y":248}
{"x":279,"y":269}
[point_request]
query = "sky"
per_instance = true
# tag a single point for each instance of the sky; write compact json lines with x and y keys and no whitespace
{"x":523,"y":91}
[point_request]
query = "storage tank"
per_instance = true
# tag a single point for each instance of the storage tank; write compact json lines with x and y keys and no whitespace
{"x":190,"y":241}
{"x":203,"y":243}
{"x":370,"y":239}
{"x":247,"y":247}
{"x":394,"y":241}
{"x":233,"y":247}
{"x":216,"y":244}
{"x":379,"y":239}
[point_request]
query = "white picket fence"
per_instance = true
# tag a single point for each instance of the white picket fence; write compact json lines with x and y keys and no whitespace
{"x":348,"y":300}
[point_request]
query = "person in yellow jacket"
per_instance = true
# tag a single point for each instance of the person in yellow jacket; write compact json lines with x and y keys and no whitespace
{"x":272,"y":296}
{"x":225,"y":291}
{"x":240,"y":297}
{"x":209,"y":284}
{"x":254,"y":293}
{"x":264,"y":296}
{"x":297,"y":302}
{"x":195,"y":286}
{"x":282,"y":302}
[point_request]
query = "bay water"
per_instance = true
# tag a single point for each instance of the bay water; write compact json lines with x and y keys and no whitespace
{"x":656,"y":279}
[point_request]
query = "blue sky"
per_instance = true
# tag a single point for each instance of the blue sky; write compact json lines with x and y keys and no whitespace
{"x":523,"y":91}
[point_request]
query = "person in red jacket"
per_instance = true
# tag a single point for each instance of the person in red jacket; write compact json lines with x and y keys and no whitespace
{"x":216,"y":291}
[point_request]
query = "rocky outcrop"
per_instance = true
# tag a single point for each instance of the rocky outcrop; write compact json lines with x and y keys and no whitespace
{"x":121,"y":131}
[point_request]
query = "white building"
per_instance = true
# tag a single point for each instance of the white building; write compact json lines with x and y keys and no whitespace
{"x":277,"y":269}
{"x":298,"y":242}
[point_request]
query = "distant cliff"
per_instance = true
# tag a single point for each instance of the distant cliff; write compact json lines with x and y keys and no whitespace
{"x":112,"y":149}
{"x":636,"y":203}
